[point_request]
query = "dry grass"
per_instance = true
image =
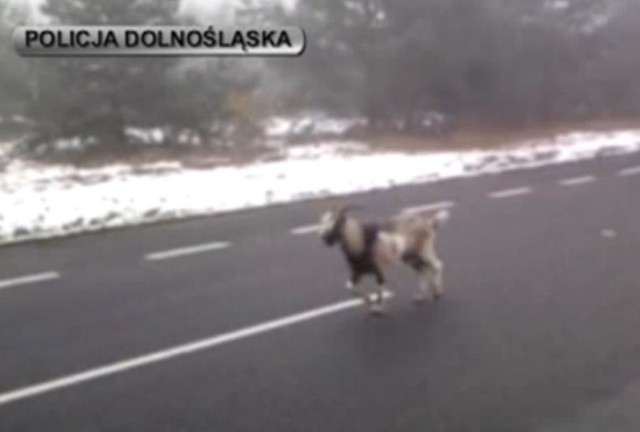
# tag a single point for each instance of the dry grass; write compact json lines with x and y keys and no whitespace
{"x":492,"y":138}
{"x":467,"y":138}
{"x":198,"y":158}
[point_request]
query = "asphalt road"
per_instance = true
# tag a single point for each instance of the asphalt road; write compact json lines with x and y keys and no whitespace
{"x":241,"y":322}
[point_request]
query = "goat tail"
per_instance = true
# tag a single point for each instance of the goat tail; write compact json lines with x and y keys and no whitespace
{"x":440,"y":218}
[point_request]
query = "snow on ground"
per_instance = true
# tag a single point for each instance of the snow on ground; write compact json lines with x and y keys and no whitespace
{"x":41,"y":202}
{"x":151,"y":135}
{"x":310,"y":124}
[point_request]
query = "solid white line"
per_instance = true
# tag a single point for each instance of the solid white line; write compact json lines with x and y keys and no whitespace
{"x":189,"y":250}
{"x":307,"y":229}
{"x":30,"y":279}
{"x":576,"y":181}
{"x":429,"y":207}
{"x":178,"y":351}
{"x":510,"y":192}
{"x":629,"y":171}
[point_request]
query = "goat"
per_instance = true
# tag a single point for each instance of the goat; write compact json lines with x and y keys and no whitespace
{"x":372,"y":248}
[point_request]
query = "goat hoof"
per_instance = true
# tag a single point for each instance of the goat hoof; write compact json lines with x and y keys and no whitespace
{"x":437,"y":297}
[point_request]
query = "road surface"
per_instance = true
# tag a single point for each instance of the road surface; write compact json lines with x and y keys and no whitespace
{"x":241,"y":322}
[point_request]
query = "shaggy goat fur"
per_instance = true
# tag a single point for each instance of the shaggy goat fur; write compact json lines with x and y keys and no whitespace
{"x":371,"y":249}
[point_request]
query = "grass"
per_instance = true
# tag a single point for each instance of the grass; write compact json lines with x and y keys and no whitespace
{"x":467,"y":138}
{"x":484,"y":138}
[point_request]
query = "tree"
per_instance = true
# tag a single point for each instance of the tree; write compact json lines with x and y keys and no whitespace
{"x":339,"y":68}
{"x":95,"y":99}
{"x":99,"y":99}
{"x":501,"y":62}
{"x":614,"y":63}
{"x":15,"y":84}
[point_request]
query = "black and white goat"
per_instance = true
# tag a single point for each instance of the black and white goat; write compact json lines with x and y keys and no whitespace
{"x":372,"y":248}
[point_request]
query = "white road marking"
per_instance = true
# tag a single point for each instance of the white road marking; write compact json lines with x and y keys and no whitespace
{"x":576,"y":181}
{"x":629,"y":171}
{"x":510,"y":192}
{"x":29,"y":279}
{"x":429,"y":207}
{"x":307,"y":229}
{"x":178,"y":351}
{"x":189,"y":250}
{"x":608,"y":233}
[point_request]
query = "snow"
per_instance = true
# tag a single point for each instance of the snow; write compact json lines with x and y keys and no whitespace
{"x":68,"y":144}
{"x":311,"y":124}
{"x":278,"y":127}
{"x":41,"y":202}
{"x":323,"y":150}
{"x":148,"y":135}
{"x":5,"y":148}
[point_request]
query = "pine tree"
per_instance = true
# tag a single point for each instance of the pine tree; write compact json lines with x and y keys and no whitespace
{"x":95,"y":99}
{"x":15,"y":85}
{"x":340,"y":66}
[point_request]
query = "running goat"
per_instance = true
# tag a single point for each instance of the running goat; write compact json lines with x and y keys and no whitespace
{"x":372,"y":248}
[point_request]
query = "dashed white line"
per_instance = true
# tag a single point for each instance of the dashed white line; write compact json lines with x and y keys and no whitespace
{"x":307,"y":229}
{"x":178,"y":351}
{"x":189,"y":250}
{"x":510,"y":192}
{"x":28,"y":279}
{"x":608,"y":233}
{"x":429,"y":207}
{"x":576,"y":180}
{"x":629,"y":171}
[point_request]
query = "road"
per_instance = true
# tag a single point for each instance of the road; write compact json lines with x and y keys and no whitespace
{"x":241,"y":322}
